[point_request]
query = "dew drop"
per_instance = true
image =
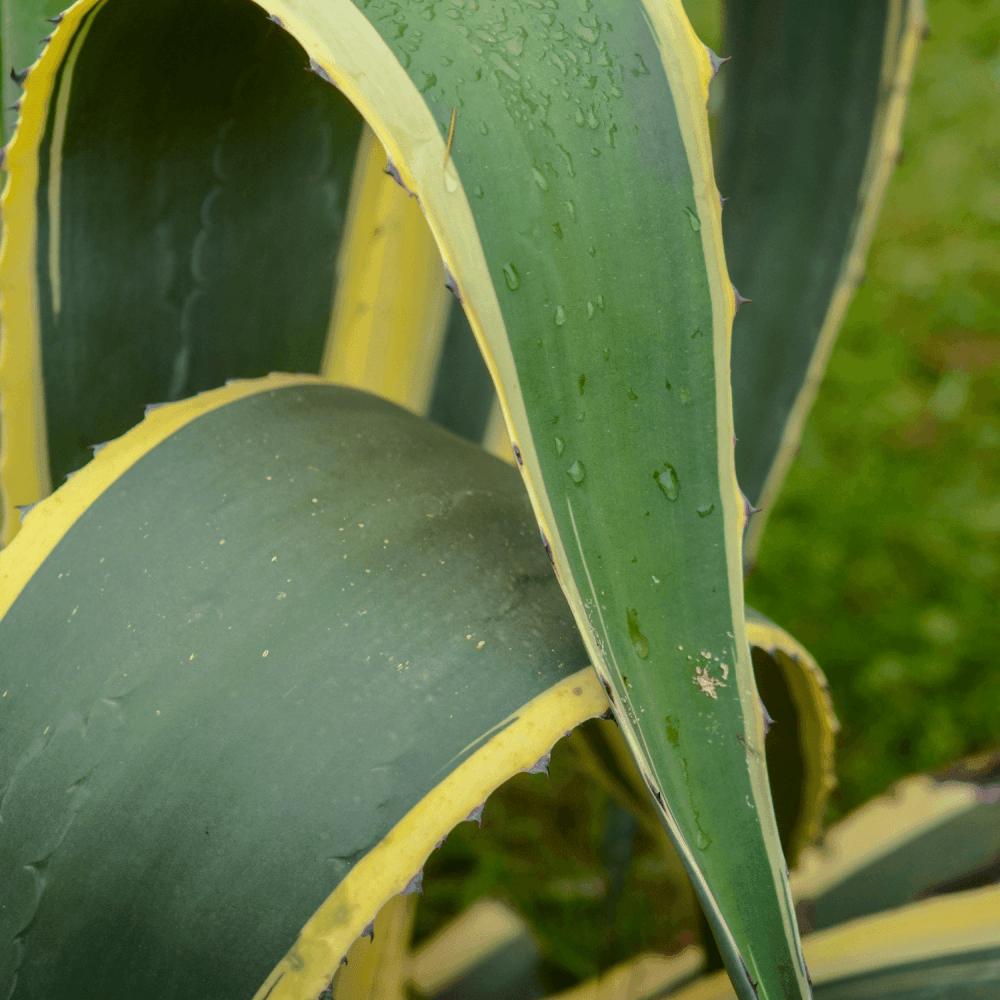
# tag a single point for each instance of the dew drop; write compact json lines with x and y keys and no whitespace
{"x":600,"y":302}
{"x":450,"y":183}
{"x":484,"y":128}
{"x":540,"y":179}
{"x":581,"y":383}
{"x":639,"y":642}
{"x":576,"y":472}
{"x":592,"y":251}
{"x":607,"y":353}
{"x":557,"y":229}
{"x":685,"y":396}
{"x":560,"y":316}
{"x":571,"y":208}
{"x":560,"y":445}
{"x":705,"y":509}
{"x":703,"y":841}
{"x":580,"y":120}
{"x":478,"y":191}
{"x":511,"y":277}
{"x":667,"y":481}
{"x":590,"y":310}
{"x":693,"y":219}
{"x":631,"y":393}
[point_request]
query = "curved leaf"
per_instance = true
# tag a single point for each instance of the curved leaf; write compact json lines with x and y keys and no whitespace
{"x":241,"y":701}
{"x":928,"y":835}
{"x":811,"y":124}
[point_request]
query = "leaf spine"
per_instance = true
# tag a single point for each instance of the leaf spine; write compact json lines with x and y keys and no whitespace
{"x":314,"y":67}
{"x":452,"y":285}
{"x":19,"y":76}
{"x":541,"y":766}
{"x":416,"y":884}
{"x":390,"y":169}
{"x":24,"y":510}
{"x":740,"y":301}
{"x":717,"y":61}
{"x":768,"y":721}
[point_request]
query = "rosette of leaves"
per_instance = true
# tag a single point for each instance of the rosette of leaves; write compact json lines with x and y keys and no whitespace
{"x":198,"y":192}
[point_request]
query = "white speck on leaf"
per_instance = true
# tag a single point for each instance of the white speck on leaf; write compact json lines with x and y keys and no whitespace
{"x":707,"y":682}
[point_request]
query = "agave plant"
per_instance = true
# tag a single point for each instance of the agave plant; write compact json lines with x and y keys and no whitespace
{"x":273,"y":643}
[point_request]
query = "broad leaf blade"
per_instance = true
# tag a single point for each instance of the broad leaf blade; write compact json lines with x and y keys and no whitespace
{"x":811,"y":123}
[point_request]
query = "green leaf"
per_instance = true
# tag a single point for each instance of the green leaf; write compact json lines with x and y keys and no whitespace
{"x":801,"y":739}
{"x":928,"y":835}
{"x":810,"y":132}
{"x":938,"y":949}
{"x":165,"y":233}
{"x":260,"y":656}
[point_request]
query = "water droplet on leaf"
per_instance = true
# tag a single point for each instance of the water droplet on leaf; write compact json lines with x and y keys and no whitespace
{"x":560,"y":316}
{"x":560,"y":445}
{"x":639,"y":642}
{"x":511,"y":277}
{"x":576,"y":472}
{"x":705,"y":509}
{"x":693,"y":219}
{"x":668,"y":481}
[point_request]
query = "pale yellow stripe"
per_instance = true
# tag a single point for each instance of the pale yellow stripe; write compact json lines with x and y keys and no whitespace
{"x":58,"y":513}
{"x":899,"y":59}
{"x":640,"y":978}
{"x":818,"y":725}
{"x":936,"y":928}
{"x":380,"y":967}
{"x":55,"y":166}
{"x":385,"y":871}
{"x":391,"y":305}
{"x":479,"y":931}
{"x":907,"y":811}
{"x":496,"y":440}
{"x":24,"y":450}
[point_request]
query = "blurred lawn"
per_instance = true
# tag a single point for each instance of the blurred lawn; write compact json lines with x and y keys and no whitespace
{"x":882,"y":554}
